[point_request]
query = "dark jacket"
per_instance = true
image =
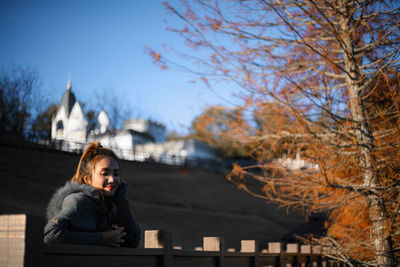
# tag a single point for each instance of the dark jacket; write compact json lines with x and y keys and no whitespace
{"x":78,"y":214}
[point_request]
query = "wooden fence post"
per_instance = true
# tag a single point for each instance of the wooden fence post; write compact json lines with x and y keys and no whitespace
{"x":21,"y":240}
{"x":215,"y":244}
{"x":12,"y":240}
{"x":168,"y":257}
{"x":251,"y":246}
{"x":211,"y":243}
{"x":276,"y":247}
{"x":152,"y":239}
{"x":160,"y":239}
{"x":306,"y":249}
{"x":316,"y":257}
{"x":293,"y":248}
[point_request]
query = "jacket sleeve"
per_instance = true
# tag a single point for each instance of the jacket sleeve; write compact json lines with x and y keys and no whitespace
{"x":125,"y":217}
{"x":77,"y":212}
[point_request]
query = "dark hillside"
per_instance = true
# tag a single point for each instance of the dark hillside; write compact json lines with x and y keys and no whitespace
{"x":190,"y":204}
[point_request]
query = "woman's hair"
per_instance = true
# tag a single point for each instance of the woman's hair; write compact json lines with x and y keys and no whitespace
{"x":93,"y":153}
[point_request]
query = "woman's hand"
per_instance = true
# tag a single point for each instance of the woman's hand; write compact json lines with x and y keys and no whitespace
{"x":122,"y":189}
{"x":113,"y":238}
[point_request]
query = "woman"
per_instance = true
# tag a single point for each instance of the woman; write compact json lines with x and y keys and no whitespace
{"x":92,"y":208}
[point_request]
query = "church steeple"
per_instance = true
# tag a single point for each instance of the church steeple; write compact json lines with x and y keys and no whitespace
{"x":68,"y":98}
{"x":69,"y":84}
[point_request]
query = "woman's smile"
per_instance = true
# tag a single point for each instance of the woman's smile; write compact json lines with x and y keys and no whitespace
{"x":105,"y":176}
{"x":110,"y":186}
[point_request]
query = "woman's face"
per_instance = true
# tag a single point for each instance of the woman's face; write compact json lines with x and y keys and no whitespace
{"x":105,"y":176}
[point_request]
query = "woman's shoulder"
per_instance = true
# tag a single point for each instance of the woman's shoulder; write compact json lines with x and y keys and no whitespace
{"x":72,"y":192}
{"x":76,"y":197}
{"x":79,"y":202}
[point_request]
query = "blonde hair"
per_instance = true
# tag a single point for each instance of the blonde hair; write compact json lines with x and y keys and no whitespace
{"x":93,"y":153}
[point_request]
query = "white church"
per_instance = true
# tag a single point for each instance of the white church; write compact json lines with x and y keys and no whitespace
{"x":139,"y":139}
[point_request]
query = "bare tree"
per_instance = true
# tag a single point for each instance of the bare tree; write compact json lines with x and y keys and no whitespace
{"x":331,"y":69}
{"x":41,"y":125}
{"x":18,"y":86}
{"x":116,"y":107}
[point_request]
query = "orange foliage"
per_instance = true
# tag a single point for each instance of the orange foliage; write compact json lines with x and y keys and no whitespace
{"x":320,"y":80}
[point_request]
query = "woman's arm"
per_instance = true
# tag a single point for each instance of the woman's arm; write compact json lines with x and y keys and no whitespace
{"x":77,"y":212}
{"x":125,"y":217}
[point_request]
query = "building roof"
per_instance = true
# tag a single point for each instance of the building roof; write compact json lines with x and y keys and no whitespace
{"x":146,"y":136}
{"x":142,"y":135}
{"x":68,"y":99}
{"x":127,"y":122}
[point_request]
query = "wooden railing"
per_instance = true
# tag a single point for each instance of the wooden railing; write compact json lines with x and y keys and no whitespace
{"x":21,"y":245}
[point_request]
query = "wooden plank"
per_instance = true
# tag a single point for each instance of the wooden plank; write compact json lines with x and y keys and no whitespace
{"x":239,"y":261}
{"x":211,"y":243}
{"x":288,"y":259}
{"x":12,"y":240}
{"x":303,"y":260}
{"x":153,"y":239}
{"x":305,"y":249}
{"x":69,"y":249}
{"x":269,"y":260}
{"x":216,"y":244}
{"x":101,"y":261}
{"x":195,"y":253}
{"x":194,"y":261}
{"x":247,"y":246}
{"x":253,"y":247}
{"x":274,"y":247}
{"x":316,"y":249}
{"x":292,"y":248}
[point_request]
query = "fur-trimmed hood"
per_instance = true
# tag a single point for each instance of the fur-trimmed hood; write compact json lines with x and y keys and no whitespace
{"x":69,"y":188}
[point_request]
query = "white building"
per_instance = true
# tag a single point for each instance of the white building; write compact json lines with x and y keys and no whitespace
{"x":69,"y":123}
{"x":176,"y":152}
{"x":139,"y":139}
{"x":297,"y":163}
{"x":155,"y":129}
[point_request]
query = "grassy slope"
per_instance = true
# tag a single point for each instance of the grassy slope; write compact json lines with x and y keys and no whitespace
{"x":191,"y":205}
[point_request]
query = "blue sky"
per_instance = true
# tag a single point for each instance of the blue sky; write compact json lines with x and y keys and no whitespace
{"x":100,"y":44}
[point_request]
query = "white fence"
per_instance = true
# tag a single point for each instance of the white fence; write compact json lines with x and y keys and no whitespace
{"x":142,"y":156}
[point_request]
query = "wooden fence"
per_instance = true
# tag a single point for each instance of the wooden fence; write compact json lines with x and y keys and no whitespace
{"x":21,"y":244}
